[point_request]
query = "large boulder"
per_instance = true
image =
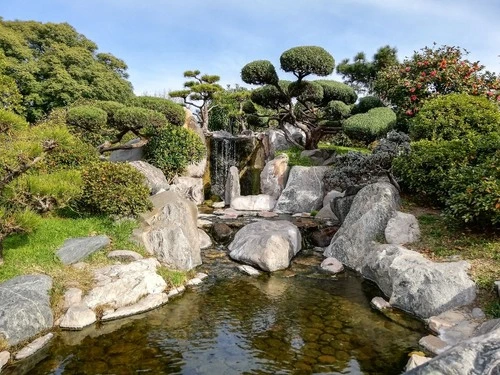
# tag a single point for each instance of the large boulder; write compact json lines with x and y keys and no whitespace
{"x":170,"y":231}
{"x":303,"y":191}
{"x":155,"y":179}
{"x":190,"y":188}
{"x":269,"y":245}
{"x":76,"y":249}
{"x":416,"y":284}
{"x":25,"y":307}
{"x":233,"y":189}
{"x":274,"y":176}
{"x":402,"y":228}
{"x":477,"y":355}
{"x":131,"y":154}
{"x":261,"y":202}
{"x":370,"y":211}
{"x":278,"y":142}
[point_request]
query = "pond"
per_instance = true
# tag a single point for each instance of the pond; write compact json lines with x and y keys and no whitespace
{"x":298,"y":321}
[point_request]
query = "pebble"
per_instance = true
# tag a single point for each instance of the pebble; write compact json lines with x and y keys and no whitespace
{"x":33,"y":346}
{"x":249,"y":270}
{"x":477,"y":313}
{"x":379,"y":303}
{"x":4,"y":358}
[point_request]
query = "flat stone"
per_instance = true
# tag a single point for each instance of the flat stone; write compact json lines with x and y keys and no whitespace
{"x":249,"y":270}
{"x":77,"y":317}
{"x":176,"y":291}
{"x":415,"y":361}
{"x":201,"y":275}
{"x":203,"y":223}
{"x":219,"y":204}
{"x":261,"y":202}
{"x":76,"y":249}
{"x":267,"y":214}
{"x":194,"y":281}
{"x":205,"y":240}
{"x":33,"y":347}
{"x":124,"y":255}
{"x":380,"y":304}
{"x":433,"y":344}
{"x":25,"y":308}
{"x":147,"y":303}
{"x":73,"y":296}
{"x":332,"y":265}
{"x":445,"y":320}
{"x":4,"y":359}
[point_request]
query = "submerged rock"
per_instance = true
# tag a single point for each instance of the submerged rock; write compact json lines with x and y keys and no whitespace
{"x":269,"y":245}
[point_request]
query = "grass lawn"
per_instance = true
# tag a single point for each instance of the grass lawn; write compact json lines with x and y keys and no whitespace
{"x":481,"y":249}
{"x":342,"y":149}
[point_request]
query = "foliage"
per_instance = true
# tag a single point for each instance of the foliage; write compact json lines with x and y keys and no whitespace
{"x":366,"y":103}
{"x":110,"y":107}
{"x":53,"y":66}
{"x":173,"y":149}
{"x":259,"y":72}
{"x":10,"y":97}
{"x":173,"y":112}
{"x":354,"y":168}
{"x":173,"y":278}
{"x":295,"y":158}
{"x":361,"y":74}
{"x":333,"y":90}
{"x":135,"y":119}
{"x":199,"y":93}
{"x":305,"y":60}
{"x":114,"y":189}
{"x":10,"y":122}
{"x":88,"y":123}
{"x":229,"y":108}
{"x":371,"y":125}
{"x":337,"y":110}
{"x":455,"y":116}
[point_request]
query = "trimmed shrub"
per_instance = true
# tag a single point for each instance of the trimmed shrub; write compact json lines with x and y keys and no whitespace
{"x":137,"y":118}
{"x":333,"y":90}
{"x":259,"y":72}
{"x":455,"y":116}
{"x":369,"y":126}
{"x":88,"y":123}
{"x":366,"y":103}
{"x":173,"y":112}
{"x":306,"y":91}
{"x":110,"y":108}
{"x":10,"y":122}
{"x":173,"y":149}
{"x":337,"y":110}
{"x":72,"y":155}
{"x":114,"y":189}
{"x":269,"y":96}
{"x":306,"y":60}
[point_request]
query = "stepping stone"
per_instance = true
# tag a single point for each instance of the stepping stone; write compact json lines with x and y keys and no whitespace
{"x":76,"y":249}
{"x":249,"y":270}
{"x":433,"y":344}
{"x":33,"y":347}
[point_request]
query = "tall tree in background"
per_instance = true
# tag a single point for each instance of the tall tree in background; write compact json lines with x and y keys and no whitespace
{"x":53,"y":66}
{"x":199,"y":93}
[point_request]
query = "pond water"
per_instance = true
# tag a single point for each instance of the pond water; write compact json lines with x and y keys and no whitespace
{"x":294,"y":322}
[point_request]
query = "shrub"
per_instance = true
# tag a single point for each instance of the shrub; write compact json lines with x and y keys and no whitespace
{"x":74,"y":154}
{"x":136,"y":118}
{"x":333,"y":90}
{"x":259,"y":72}
{"x":337,"y":110}
{"x":114,"y":189}
{"x":110,"y":108}
{"x":88,"y":123}
{"x":173,"y":149}
{"x":371,"y":125}
{"x":455,"y":116}
{"x":173,"y":112}
{"x":306,"y":60}
{"x":366,"y":103}
{"x":10,"y":122}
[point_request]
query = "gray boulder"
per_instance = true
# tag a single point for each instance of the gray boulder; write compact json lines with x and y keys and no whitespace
{"x":76,"y":249}
{"x":477,"y":355}
{"x":330,"y":196}
{"x":269,"y":245}
{"x":317,"y":156}
{"x":131,"y":154}
{"x":274,"y":176}
{"x":25,"y":307}
{"x":261,"y":202}
{"x":190,"y":188}
{"x":233,"y":188}
{"x":303,"y":191}
{"x":205,"y":240}
{"x":402,"y":228}
{"x":170,"y":231}
{"x":340,"y":206}
{"x":278,"y":142}
{"x":371,"y":209}
{"x":155,"y":179}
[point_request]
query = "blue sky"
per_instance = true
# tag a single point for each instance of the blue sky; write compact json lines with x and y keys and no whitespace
{"x":160,"y":39}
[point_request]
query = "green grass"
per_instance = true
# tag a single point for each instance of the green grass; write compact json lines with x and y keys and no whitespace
{"x":294,"y":157}
{"x":172,"y":277}
{"x":342,"y":149}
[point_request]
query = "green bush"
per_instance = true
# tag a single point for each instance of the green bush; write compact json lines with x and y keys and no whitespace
{"x":306,"y":60}
{"x":366,"y":103}
{"x":137,"y":118}
{"x":369,"y":126}
{"x":72,"y":155}
{"x":10,"y":122}
{"x":173,"y":149}
{"x":88,"y":123}
{"x":259,"y":72}
{"x":110,"y":108}
{"x":337,"y":110}
{"x":455,"y":116}
{"x":173,"y":112}
{"x":333,"y":90}
{"x":114,"y":189}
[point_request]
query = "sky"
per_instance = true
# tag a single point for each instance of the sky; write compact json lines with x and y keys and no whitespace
{"x":160,"y":39}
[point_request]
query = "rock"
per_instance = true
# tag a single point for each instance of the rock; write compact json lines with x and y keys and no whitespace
{"x":445,"y":320}
{"x":205,"y":240}
{"x":261,"y":202}
{"x":124,"y":255}
{"x":415,"y":361}
{"x":73,"y":296}
{"x":330,"y":196}
{"x":4,"y":359}
{"x":303,"y":191}
{"x":488,"y":326}
{"x":33,"y":347}
{"x":402,"y":228}
{"x":203,"y":223}
{"x":201,"y":275}
{"x":147,"y":303}
{"x":274,"y":176}
{"x":25,"y":307}
{"x":190,"y":188}
{"x":219,"y":204}
{"x":278,"y":142}
{"x":269,"y":245}
{"x":132,"y":154}
{"x":380,"y":304}
{"x":249,"y":270}
{"x":332,"y":265}
{"x":175,"y":291}
{"x":155,"y":179}
{"x":341,"y":206}
{"x":233,"y":188}
{"x":371,"y":209}
{"x":322,"y":237}
{"x":477,"y":313}
{"x":317,"y":156}
{"x":170,"y":231}
{"x":76,"y":249}
{"x":326,"y":213}
{"x":267,"y":214}
{"x":477,"y":355}
{"x":221,"y":232}
{"x":433,"y":344}
{"x":124,"y":284}
{"x":196,"y":169}
{"x":194,"y":281}
{"x":77,"y":317}
{"x":416,"y":284}
{"x":79,"y":265}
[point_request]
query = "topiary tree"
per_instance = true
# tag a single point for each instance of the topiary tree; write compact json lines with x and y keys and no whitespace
{"x":302,"y":103}
{"x":199,"y":93}
{"x":173,"y":112}
{"x":88,"y":122}
{"x":369,"y":126}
